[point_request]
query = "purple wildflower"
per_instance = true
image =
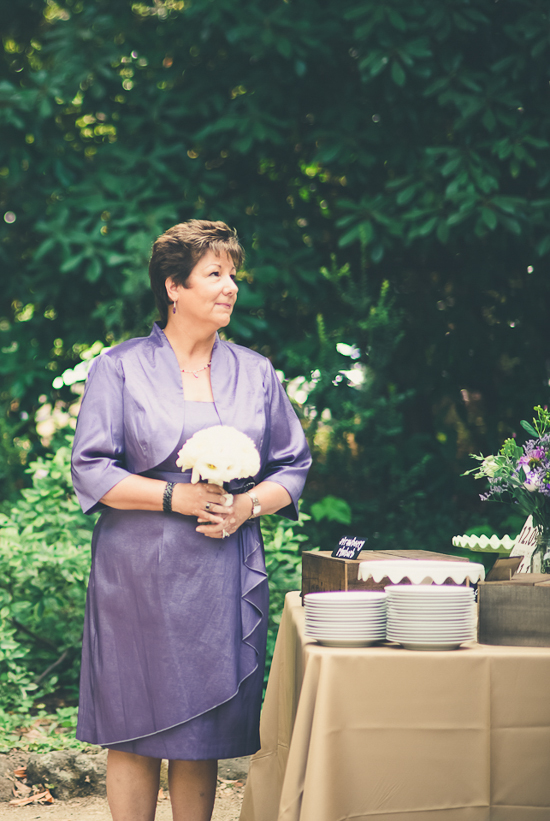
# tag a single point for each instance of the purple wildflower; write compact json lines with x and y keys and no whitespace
{"x":535,"y":464}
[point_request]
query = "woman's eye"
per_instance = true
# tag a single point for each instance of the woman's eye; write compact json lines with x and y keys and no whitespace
{"x":234,"y":277}
{"x":215,"y":274}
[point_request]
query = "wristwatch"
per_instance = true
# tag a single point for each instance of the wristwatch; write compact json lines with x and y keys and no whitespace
{"x":256,"y":506}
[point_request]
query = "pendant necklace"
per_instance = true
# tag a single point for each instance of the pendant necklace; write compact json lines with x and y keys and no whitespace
{"x":196,"y":373}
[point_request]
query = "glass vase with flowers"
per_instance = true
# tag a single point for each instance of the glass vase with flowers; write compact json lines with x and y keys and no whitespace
{"x":520,"y":475}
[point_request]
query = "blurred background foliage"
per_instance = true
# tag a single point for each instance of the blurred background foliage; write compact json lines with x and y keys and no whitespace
{"x":387,"y":167}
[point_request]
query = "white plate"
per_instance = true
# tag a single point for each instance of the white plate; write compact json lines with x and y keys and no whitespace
{"x":447,"y":601}
{"x":366,"y":612}
{"x":380,"y":628}
{"x":379,"y":601}
{"x":429,"y":603}
{"x":346,"y":633}
{"x":344,"y":596}
{"x":413,"y":628}
{"x":431,"y":628}
{"x":443,"y":625}
{"x":429,"y":634}
{"x":431,"y":622}
{"x":435,"y":634}
{"x":412,"y":602}
{"x":421,"y":645}
{"x":348,"y":643}
{"x":345,"y":610}
{"x":350,"y":634}
{"x":361,"y":605}
{"x":333,"y":620}
{"x":433,"y":613}
{"x":351,"y":620}
{"x":429,"y":637}
{"x":432,"y":590}
{"x":440,"y":591}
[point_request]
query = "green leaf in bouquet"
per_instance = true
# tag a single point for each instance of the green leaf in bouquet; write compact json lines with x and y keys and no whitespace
{"x":511,"y":450}
{"x":529,"y":428}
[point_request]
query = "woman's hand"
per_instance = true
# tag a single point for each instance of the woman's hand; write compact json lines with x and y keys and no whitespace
{"x":202,"y":500}
{"x":232,"y":518}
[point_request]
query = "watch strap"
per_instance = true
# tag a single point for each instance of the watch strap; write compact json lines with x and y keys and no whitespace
{"x":256,"y":506}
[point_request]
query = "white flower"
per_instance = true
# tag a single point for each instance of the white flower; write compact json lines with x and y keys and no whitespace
{"x":219,"y":454}
{"x":489,"y":466}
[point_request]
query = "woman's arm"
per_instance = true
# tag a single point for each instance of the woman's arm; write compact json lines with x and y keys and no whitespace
{"x":271,"y":496}
{"x":141,"y":493}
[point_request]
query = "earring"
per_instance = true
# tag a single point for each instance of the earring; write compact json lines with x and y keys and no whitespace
{"x":174,"y":307}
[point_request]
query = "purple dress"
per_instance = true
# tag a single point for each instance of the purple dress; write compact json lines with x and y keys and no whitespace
{"x":174,"y":637}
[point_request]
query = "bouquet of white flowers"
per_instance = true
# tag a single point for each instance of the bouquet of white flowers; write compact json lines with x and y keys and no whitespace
{"x":219,"y":454}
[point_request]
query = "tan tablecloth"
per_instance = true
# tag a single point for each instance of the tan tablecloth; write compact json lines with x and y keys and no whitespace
{"x":387,"y":734}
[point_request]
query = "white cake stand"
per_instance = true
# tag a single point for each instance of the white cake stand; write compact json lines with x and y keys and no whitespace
{"x":421,"y":572}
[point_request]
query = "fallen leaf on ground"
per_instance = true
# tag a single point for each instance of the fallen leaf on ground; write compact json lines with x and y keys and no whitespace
{"x":38,"y":798}
{"x":21,"y":772}
{"x":21,"y":790}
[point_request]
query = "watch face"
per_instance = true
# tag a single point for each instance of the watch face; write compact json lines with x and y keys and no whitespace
{"x":256,"y":507}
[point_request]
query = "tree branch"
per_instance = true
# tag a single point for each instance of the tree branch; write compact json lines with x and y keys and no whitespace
{"x":52,"y":666}
{"x":34,"y":636}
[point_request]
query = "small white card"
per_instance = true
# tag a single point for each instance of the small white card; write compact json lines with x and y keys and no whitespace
{"x":525,"y":545}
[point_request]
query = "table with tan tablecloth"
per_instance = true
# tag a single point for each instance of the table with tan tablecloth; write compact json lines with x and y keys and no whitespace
{"x":387,"y":734}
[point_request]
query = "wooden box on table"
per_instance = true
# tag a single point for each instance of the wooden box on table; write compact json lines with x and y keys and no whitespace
{"x":321,"y":572}
{"x":515,"y":612}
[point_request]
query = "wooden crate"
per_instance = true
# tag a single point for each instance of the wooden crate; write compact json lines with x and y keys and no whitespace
{"x":515,"y":612}
{"x":320,"y":572}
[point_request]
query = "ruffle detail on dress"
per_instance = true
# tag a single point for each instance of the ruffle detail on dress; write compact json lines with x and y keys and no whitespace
{"x":253,"y":576}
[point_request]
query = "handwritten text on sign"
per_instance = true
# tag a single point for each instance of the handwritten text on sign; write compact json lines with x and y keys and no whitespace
{"x":349,"y":547}
{"x":525,"y":545}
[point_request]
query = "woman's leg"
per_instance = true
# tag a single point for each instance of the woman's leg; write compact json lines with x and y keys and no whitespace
{"x":192,"y":789}
{"x":132,"y":786}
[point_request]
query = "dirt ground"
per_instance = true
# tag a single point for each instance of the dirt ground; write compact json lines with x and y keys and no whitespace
{"x":229,"y":797}
{"x":95,"y":808}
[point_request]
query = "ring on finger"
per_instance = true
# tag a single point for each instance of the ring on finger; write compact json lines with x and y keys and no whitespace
{"x":207,"y":506}
{"x":225,"y":534}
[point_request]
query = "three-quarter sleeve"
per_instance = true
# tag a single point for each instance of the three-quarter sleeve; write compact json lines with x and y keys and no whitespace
{"x":98,"y":462}
{"x":288,"y":458}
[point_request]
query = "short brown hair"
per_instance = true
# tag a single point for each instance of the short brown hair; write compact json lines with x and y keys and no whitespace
{"x":177,"y":251}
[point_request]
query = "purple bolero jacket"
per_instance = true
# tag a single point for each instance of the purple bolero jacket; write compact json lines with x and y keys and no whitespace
{"x":132,"y":416}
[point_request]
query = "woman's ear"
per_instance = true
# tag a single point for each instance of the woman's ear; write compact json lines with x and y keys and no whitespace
{"x":171,"y":289}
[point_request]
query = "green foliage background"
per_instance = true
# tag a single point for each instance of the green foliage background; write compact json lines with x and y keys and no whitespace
{"x":387,"y":167}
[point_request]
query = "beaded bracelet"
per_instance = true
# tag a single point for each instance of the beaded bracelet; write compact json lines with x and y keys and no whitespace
{"x":167,"y":497}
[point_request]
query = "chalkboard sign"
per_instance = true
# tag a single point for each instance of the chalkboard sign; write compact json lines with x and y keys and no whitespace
{"x":349,"y":547}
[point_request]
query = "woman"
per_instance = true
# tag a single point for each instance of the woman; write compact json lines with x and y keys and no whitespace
{"x":174,"y":637}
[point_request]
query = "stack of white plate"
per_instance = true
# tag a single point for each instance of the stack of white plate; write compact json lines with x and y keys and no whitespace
{"x":338,"y":619}
{"x":430,"y":618}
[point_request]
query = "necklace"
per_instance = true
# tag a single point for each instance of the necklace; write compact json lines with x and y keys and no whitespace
{"x":196,"y":373}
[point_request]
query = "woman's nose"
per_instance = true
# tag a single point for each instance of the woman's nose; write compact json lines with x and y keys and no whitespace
{"x":230,"y":286}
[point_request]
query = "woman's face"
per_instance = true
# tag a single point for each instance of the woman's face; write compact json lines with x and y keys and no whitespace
{"x":210,"y":294}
